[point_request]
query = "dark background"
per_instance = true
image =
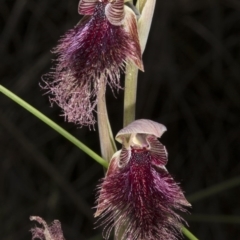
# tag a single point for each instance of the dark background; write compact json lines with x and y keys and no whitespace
{"x":191,"y":84}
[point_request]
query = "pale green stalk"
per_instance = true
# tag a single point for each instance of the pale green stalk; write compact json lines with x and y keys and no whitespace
{"x":130,"y":94}
{"x":53,"y":125}
{"x":107,"y":143}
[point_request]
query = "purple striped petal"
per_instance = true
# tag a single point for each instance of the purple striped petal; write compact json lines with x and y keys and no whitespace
{"x":115,"y":12}
{"x":86,"y":7}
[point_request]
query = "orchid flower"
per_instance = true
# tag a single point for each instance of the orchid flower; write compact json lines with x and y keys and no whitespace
{"x":91,"y":54}
{"x":138,"y":194}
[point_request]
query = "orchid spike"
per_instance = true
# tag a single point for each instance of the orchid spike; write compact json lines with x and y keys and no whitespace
{"x":138,"y":194}
{"x":91,"y":54}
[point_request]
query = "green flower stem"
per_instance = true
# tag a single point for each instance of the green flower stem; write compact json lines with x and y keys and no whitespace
{"x":107,"y":143}
{"x":188,"y":234}
{"x":130,"y":94}
{"x":53,"y":125}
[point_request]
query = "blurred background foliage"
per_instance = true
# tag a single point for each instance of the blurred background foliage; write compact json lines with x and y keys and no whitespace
{"x":191,"y":84}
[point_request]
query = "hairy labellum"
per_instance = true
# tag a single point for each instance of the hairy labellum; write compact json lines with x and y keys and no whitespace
{"x":138,"y":196}
{"x":47,"y":232}
{"x":92,"y":54}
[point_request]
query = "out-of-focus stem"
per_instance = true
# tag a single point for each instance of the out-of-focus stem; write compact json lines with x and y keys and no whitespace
{"x":107,"y":143}
{"x":210,"y":218}
{"x":210,"y":191}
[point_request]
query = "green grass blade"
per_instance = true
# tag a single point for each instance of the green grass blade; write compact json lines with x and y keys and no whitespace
{"x":188,"y":234}
{"x":53,"y":125}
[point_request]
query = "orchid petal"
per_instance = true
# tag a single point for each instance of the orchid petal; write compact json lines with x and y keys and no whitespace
{"x":141,"y":126}
{"x":130,"y":25}
{"x":112,"y":169}
{"x":157,"y":151}
{"x":124,"y":157}
{"x":86,"y":7}
{"x":113,"y":164}
{"x":115,"y":12}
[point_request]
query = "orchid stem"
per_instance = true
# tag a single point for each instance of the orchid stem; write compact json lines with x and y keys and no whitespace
{"x":107,"y":143}
{"x":130,"y":94}
{"x":53,"y":125}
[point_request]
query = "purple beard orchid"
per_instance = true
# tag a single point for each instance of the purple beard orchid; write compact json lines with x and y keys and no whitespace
{"x":138,"y":196}
{"x":92,"y":54}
